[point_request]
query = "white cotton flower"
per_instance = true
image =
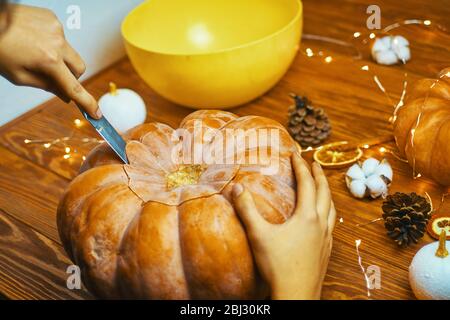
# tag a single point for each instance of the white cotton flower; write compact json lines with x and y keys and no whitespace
{"x":399,"y":42}
{"x":358,"y":188}
{"x":386,"y":57}
{"x":384,"y":169}
{"x":381,"y":44}
{"x":404,"y":54}
{"x":372,"y":178}
{"x":355,"y":172}
{"x":369,"y":166}
{"x":390,"y":50}
{"x":376,"y":186}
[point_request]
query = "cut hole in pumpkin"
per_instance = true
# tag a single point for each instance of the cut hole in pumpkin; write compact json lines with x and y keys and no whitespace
{"x":184,"y":175}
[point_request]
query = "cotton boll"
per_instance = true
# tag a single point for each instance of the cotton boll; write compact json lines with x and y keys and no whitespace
{"x":386,"y":57}
{"x":403,"y":53}
{"x":387,"y":41}
{"x":369,"y":166}
{"x":358,"y":188}
{"x":384,"y":169}
{"x":355,"y":172}
{"x":380,"y":45}
{"x":376,"y":185}
{"x":371,"y":178}
{"x":390,"y":50}
{"x":399,"y":41}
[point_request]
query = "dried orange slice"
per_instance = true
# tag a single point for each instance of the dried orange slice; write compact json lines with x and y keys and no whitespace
{"x":437,"y":223}
{"x":337,"y":155}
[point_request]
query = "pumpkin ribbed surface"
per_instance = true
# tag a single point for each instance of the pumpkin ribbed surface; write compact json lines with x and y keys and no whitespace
{"x":159,"y":229}
{"x":422,"y":128}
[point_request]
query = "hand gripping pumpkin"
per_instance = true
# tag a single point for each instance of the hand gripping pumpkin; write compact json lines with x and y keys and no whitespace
{"x":159,"y":229}
{"x":422,"y":128}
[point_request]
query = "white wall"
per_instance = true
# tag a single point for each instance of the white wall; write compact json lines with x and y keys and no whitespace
{"x":98,"y":41}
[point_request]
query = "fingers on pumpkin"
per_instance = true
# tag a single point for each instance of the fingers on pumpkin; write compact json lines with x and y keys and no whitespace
{"x":247,"y":211}
{"x":306,"y":188}
{"x":323,"y":192}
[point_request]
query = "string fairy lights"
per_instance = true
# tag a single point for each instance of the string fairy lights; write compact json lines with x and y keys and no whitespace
{"x":365,"y":39}
{"x":400,"y":103}
{"x":68,"y":144}
{"x":418,"y":121}
{"x":366,"y":278}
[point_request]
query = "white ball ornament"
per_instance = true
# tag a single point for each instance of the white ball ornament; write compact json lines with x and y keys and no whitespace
{"x":429,"y":272}
{"x":371,"y":178}
{"x":123,"y":108}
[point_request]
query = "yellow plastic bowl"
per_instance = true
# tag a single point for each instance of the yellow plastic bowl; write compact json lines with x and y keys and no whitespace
{"x":213,"y":53}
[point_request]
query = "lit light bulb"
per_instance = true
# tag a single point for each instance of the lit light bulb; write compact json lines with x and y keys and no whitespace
{"x":309,"y":52}
{"x":328,"y":59}
{"x":372,"y":36}
{"x":67,"y":149}
{"x":47,"y":145}
{"x":366,"y":146}
{"x":365,"y":68}
{"x":427,"y":22}
{"x":77,"y":122}
{"x":26,"y":141}
{"x":382,"y":149}
{"x":356,"y":34}
{"x":66,"y":156}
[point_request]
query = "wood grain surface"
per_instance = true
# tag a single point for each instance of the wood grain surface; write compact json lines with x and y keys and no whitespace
{"x":31,"y":265}
{"x":32,"y":178}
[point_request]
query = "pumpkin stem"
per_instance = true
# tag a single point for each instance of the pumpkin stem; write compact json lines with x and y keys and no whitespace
{"x":113,"y":89}
{"x":442,"y":252}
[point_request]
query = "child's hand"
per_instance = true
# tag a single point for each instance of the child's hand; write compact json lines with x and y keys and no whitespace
{"x":293,"y":257}
{"x":35,"y":53}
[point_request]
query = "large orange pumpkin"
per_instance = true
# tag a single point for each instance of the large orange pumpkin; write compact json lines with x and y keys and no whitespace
{"x":156,"y":229}
{"x":422,"y":128}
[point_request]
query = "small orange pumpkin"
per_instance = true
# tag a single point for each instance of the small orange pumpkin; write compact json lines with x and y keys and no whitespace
{"x":422,"y":128}
{"x":153,"y":229}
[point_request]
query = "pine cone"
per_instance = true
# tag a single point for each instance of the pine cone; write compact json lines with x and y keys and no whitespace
{"x":405,"y":217}
{"x":309,"y":126}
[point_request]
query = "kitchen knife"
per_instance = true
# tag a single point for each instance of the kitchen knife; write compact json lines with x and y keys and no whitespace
{"x":111,"y":136}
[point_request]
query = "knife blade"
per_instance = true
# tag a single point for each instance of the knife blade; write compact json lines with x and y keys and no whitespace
{"x":109,"y":134}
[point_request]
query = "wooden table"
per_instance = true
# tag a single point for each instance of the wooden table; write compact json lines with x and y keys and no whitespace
{"x":32,"y":178}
